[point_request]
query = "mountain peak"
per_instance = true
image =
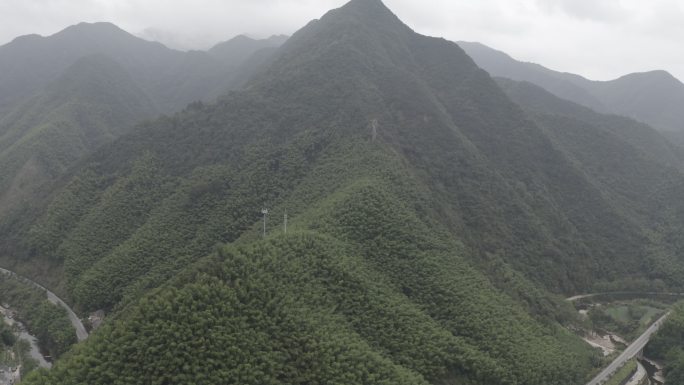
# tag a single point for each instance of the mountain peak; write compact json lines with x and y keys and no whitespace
{"x":374,"y":9}
{"x":89,"y":28}
{"x":25,"y":38}
{"x":657,"y":78}
{"x":377,"y":5}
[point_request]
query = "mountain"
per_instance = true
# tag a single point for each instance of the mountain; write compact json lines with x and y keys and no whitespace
{"x":171,"y":78}
{"x":29,"y":63}
{"x":651,"y":97}
{"x":435,"y":219}
{"x":383,"y":147}
{"x":240,"y":48}
{"x":92,"y":103}
{"x":63,"y":96}
{"x":635,"y":167}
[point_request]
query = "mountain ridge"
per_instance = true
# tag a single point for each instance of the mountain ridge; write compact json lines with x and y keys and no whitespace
{"x":651,"y":97}
{"x":92,"y":103}
{"x":171,"y":78}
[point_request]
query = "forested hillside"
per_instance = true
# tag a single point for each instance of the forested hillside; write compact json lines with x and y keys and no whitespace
{"x":435,"y":220}
{"x":92,"y":103}
{"x":65,"y":95}
{"x":638,"y":170}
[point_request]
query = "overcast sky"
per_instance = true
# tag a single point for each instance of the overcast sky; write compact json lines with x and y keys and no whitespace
{"x":600,"y":39}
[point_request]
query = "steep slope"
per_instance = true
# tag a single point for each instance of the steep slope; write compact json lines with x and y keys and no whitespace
{"x":637,"y":169}
{"x":411,"y":246}
{"x":653,"y":97}
{"x":651,"y":143}
{"x":92,"y":103}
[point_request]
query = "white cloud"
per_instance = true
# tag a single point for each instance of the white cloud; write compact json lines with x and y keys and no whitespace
{"x":600,"y":39}
{"x":598,"y":10}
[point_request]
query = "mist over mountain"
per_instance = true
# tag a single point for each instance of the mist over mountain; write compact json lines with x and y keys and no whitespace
{"x":654,"y":98}
{"x":63,"y":96}
{"x":171,"y":78}
{"x":240,"y":48}
{"x":90,"y":104}
{"x":424,"y":220}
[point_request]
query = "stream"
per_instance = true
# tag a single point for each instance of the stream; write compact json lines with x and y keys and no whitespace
{"x":653,"y":372}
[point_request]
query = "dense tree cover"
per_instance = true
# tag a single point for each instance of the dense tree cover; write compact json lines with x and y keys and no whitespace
{"x":93,"y":102}
{"x":668,"y":345}
{"x":431,"y":218}
{"x":637,"y":171}
{"x":47,"y":321}
{"x":303,"y":308}
{"x":523,"y":212}
{"x":67,"y":94}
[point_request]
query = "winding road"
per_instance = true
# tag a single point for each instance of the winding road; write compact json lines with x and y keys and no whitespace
{"x":81,"y":333}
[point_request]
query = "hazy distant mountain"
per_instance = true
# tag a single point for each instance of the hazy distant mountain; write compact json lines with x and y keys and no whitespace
{"x":64,"y":95}
{"x":171,"y":78}
{"x":29,"y":63}
{"x":92,"y":103}
{"x":653,"y":97}
{"x":626,"y":158}
{"x":240,"y":48}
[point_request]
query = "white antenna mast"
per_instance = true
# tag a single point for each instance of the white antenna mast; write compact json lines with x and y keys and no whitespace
{"x":264,"y":212}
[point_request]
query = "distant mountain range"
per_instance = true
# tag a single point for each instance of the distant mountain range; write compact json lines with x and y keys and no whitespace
{"x":65,"y":95}
{"x":171,"y":78}
{"x":655,"y":97}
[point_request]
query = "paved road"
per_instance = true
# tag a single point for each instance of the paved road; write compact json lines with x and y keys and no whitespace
{"x":581,"y":296}
{"x":632,"y":350}
{"x":81,"y":332}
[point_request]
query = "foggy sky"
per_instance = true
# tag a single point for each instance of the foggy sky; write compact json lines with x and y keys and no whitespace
{"x":600,"y":39}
